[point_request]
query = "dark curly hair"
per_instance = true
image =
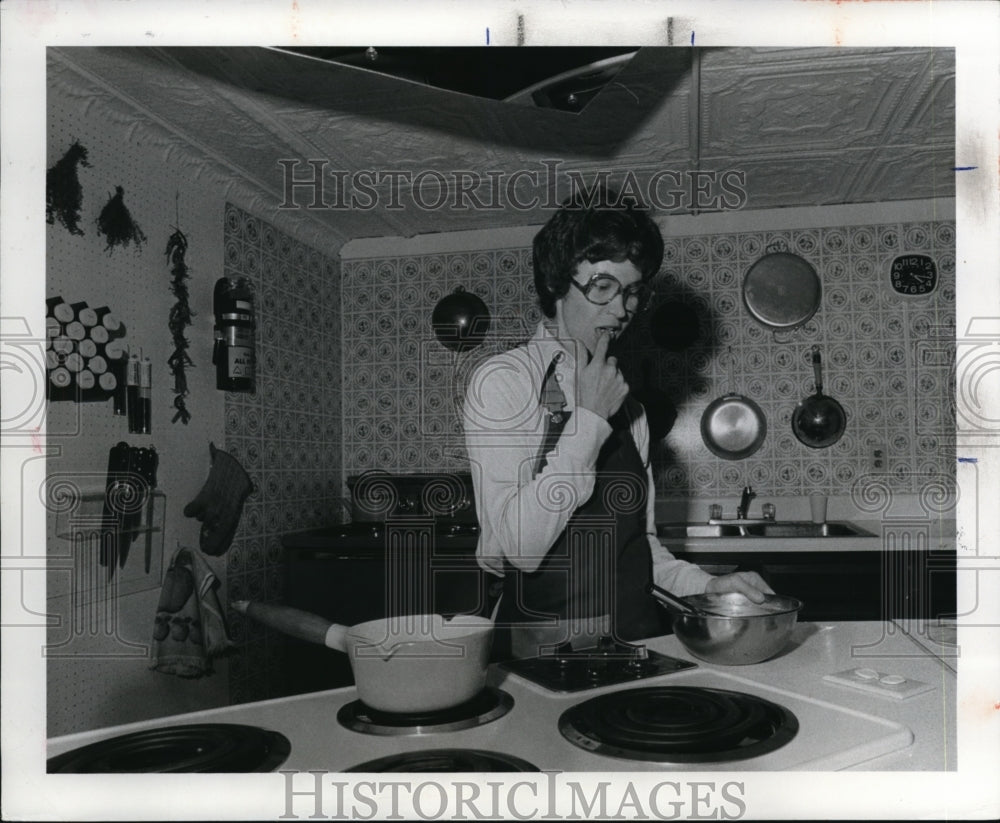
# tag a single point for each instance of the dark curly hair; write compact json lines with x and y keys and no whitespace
{"x":601,"y":226}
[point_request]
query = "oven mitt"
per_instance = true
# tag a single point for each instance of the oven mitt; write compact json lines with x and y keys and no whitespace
{"x":220,"y":502}
{"x":189,"y":629}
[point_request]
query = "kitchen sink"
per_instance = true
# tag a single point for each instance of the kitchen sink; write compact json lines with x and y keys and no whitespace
{"x":678,"y":531}
{"x":776,"y":528}
{"x":805,"y":529}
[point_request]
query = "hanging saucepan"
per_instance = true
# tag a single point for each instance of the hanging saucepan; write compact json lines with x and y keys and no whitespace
{"x":733,"y":426}
{"x":819,"y":420}
{"x":461,"y":320}
{"x":781,"y":290}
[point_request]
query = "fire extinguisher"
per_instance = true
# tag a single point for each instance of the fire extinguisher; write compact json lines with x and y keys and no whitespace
{"x":233,"y":354}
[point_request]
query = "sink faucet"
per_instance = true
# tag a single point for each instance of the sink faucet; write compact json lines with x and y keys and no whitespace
{"x":744,"y":507}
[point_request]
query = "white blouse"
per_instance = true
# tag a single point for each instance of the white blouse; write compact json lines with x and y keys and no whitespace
{"x":522,"y":514}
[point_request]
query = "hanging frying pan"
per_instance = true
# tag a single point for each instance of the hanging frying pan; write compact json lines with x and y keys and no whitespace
{"x":781,"y":290}
{"x":460,"y":320}
{"x":819,"y":420}
{"x":733,"y":426}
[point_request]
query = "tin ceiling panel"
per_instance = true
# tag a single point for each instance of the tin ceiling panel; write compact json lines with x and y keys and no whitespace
{"x":806,"y":127}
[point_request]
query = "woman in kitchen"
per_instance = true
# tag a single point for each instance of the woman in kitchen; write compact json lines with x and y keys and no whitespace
{"x":560,"y":453}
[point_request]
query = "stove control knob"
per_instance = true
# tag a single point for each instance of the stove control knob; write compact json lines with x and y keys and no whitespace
{"x":597,"y":670}
{"x":639,"y":662}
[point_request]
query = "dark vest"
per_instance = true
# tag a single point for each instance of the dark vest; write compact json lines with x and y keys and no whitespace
{"x":601,"y":563}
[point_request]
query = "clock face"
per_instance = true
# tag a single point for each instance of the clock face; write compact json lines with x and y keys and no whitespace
{"x":913,"y":274}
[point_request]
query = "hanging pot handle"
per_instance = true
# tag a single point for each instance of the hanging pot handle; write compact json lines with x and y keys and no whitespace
{"x":817,"y":369}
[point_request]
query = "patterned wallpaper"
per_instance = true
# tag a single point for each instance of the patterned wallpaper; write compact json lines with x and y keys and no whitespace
{"x":287,"y":433}
{"x":402,"y":389}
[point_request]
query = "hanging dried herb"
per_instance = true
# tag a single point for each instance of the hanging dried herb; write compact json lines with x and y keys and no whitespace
{"x":63,"y":192}
{"x":116,"y":223}
{"x":180,"y":319}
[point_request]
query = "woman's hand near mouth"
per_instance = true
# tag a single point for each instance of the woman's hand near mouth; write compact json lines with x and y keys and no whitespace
{"x":601,"y":387}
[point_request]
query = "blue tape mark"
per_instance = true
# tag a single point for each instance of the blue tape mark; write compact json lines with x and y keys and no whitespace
{"x":964,"y":168}
{"x":968,"y":460}
{"x":487,"y":35}
{"x":692,"y":38}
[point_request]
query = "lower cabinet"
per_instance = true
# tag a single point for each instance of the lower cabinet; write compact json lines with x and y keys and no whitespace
{"x":866,"y":585}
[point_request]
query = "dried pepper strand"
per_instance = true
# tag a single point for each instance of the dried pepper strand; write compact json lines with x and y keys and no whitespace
{"x":179,"y":319}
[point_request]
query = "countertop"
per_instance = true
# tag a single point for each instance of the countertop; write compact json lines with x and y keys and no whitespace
{"x":932,"y":536}
{"x":890,"y":535}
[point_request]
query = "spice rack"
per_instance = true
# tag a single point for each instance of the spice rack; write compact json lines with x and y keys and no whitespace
{"x":85,"y":353}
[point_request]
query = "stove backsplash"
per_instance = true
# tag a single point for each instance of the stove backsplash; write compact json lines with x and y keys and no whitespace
{"x":888,"y":359}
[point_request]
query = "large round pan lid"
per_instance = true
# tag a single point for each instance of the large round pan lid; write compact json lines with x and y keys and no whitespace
{"x":782,"y":290}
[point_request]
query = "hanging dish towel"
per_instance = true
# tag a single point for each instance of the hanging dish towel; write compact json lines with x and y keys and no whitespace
{"x":189,"y":629}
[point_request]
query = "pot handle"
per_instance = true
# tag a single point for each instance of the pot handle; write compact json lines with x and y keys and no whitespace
{"x":817,"y":369}
{"x":296,"y":623}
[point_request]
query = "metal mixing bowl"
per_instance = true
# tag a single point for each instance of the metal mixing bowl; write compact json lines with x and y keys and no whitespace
{"x":744,"y":632}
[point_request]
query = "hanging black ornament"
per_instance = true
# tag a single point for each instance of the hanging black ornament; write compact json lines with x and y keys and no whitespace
{"x":180,"y":318}
{"x":117,"y":225}
{"x":63,"y":192}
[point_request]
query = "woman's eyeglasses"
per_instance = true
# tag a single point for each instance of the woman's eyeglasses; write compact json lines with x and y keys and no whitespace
{"x":601,"y":289}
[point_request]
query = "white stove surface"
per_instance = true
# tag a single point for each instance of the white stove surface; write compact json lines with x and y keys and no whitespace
{"x":840,"y":727}
{"x":830,"y":737}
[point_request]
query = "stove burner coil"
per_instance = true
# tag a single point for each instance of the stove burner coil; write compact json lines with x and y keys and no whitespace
{"x":485,"y":707}
{"x":679,"y":724}
{"x":208,"y":747}
{"x":446,"y":760}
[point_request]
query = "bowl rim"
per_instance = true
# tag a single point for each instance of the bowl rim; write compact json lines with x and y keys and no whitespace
{"x":788,"y":604}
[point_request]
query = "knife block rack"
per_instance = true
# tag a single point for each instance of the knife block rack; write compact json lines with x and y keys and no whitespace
{"x":82,"y":526}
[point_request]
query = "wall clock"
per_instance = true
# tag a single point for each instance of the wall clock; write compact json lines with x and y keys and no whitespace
{"x":913,"y":274}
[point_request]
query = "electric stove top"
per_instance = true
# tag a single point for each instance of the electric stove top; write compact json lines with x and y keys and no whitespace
{"x":608,"y":663}
{"x":783,"y":714}
{"x":446,"y":760}
{"x":679,"y":724}
{"x":200,"y":747}
{"x":485,"y":707}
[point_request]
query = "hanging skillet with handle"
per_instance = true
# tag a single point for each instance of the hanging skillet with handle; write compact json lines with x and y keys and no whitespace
{"x":733,"y":426}
{"x":818,"y":421}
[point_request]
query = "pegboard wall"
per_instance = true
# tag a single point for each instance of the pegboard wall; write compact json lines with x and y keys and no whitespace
{"x":97,"y":666}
